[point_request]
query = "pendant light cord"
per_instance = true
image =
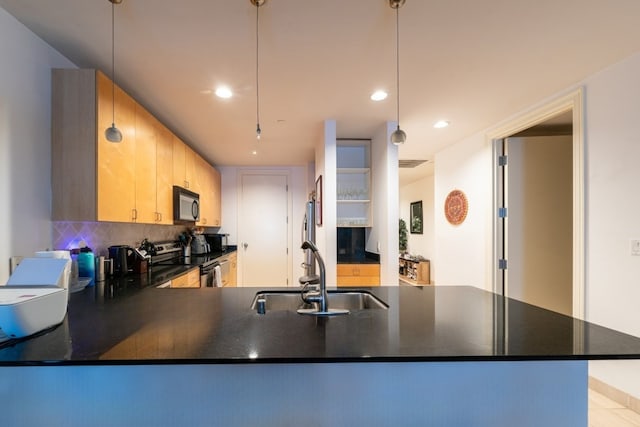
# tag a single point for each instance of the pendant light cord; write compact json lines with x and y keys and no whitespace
{"x":257,"y":72}
{"x":113,"y":66}
{"x":398,"y":66}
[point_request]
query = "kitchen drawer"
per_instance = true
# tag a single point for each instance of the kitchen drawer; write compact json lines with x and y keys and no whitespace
{"x":190,"y":279}
{"x":358,"y":270}
{"x":358,"y":280}
{"x":358,"y":274}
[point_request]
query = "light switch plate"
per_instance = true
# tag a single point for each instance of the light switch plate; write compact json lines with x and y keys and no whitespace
{"x":635,"y":247}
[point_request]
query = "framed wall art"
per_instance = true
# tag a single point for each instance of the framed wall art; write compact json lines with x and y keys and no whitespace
{"x":415,"y":214}
{"x":456,"y":207}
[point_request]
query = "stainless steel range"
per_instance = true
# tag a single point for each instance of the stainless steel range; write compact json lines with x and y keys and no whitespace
{"x":171,"y":253}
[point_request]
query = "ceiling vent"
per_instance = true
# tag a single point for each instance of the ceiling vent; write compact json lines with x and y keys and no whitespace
{"x":409,"y":164}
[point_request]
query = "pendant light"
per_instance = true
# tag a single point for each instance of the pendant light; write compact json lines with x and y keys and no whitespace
{"x":398,"y":136}
{"x":258,"y":4}
{"x":112,"y":133}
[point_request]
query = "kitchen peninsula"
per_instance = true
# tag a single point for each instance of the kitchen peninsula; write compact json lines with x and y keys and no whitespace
{"x":434,"y":350}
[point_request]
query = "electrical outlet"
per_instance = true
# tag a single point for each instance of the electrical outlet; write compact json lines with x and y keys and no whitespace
{"x":635,"y":247}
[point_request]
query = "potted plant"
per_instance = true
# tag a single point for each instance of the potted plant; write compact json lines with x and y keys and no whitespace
{"x":402,"y":236}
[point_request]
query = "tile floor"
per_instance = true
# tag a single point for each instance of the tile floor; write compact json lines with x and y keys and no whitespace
{"x":604,"y":412}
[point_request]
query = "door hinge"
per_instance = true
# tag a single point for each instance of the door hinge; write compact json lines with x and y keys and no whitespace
{"x":502,"y":264}
{"x":287,"y":251}
{"x":502,"y":160}
{"x":502,"y":212}
{"x":286,"y":188}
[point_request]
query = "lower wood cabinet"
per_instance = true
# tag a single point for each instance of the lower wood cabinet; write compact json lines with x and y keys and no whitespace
{"x":414,"y":272}
{"x":190,"y":279}
{"x":230,"y":276}
{"x":358,"y":274}
{"x":233,"y":270}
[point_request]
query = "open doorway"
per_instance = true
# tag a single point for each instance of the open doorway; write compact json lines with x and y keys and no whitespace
{"x":538,"y":194}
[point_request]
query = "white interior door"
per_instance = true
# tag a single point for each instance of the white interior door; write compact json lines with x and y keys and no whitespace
{"x":263,"y":230}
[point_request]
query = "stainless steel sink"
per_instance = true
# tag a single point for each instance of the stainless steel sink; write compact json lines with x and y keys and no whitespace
{"x":265,"y":301}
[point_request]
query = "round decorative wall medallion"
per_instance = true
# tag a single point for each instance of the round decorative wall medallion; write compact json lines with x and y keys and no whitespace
{"x":456,"y":207}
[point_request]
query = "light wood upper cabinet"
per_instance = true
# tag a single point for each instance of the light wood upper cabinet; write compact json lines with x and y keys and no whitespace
{"x":115,"y":168}
{"x":203,"y":185}
{"x":178,"y":148}
{"x":208,"y":184}
{"x":145,"y":166}
{"x":184,"y":165}
{"x":130,"y":181}
{"x":164,"y":176}
{"x":190,"y":166}
{"x":154,"y":162}
{"x":193,"y":172}
{"x":216,"y":197}
{"x":92,"y":178}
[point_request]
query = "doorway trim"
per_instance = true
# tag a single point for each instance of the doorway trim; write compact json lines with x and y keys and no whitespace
{"x":573,"y":101}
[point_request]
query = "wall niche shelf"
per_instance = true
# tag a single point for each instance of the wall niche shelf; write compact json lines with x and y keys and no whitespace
{"x":353,"y":182}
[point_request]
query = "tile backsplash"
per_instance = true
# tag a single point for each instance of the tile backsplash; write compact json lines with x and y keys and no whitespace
{"x":100,"y":235}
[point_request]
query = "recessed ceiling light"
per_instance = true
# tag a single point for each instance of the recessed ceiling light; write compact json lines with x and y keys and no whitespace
{"x":224,"y":92}
{"x":441,"y":124}
{"x":378,"y":95}
{"x":254,"y":152}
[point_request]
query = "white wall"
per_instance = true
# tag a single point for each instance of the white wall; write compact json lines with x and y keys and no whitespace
{"x":25,"y":140}
{"x":325,"y":163}
{"x":422,"y":189}
{"x":383,"y":238}
{"x":612,"y":141}
{"x":613,"y":210}
{"x":462,"y":252}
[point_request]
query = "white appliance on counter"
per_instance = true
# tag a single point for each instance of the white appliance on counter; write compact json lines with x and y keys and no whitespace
{"x":34,"y":298}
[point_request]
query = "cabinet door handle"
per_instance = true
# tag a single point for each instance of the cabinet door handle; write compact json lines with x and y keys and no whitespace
{"x":134,"y":214}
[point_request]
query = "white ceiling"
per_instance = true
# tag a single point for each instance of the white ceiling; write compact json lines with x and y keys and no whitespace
{"x":471,"y":62}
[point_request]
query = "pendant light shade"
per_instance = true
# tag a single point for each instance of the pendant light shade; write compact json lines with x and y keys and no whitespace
{"x":258,"y":4}
{"x":398,"y":137}
{"x":112,"y":133}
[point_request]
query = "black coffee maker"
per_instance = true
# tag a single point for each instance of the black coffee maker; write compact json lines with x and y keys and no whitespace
{"x":123,"y":257}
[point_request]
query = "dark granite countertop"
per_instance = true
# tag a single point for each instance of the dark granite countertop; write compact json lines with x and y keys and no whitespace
{"x":365,"y":258}
{"x":156,"y":275}
{"x":107,"y":325}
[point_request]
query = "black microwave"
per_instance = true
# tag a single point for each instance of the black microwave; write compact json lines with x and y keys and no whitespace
{"x":186,"y":206}
{"x":217,"y":242}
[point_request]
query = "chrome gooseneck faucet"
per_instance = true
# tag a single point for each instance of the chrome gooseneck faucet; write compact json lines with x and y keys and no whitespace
{"x":318,"y":297}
